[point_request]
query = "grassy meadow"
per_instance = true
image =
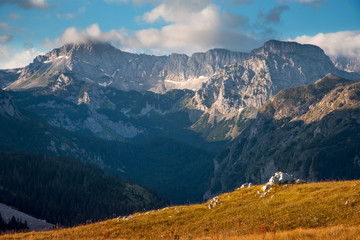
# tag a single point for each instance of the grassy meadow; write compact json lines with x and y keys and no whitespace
{"x":324,"y":210}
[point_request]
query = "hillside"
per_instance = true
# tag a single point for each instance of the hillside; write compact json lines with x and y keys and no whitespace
{"x":66,"y":191}
{"x":186,"y":169}
{"x":311,"y":209}
{"x":312,"y":131}
{"x":112,"y":114}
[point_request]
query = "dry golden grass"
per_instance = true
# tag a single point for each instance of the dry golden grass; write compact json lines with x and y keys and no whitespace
{"x":330,"y":233}
{"x":327,"y":210}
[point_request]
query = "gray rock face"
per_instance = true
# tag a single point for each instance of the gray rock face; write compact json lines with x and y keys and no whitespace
{"x":351,"y":64}
{"x":275,"y":66}
{"x":252,"y":82}
{"x":107,"y":66}
{"x":225,"y":82}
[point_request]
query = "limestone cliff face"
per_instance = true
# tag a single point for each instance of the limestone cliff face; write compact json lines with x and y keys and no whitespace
{"x":349,"y":64}
{"x":107,"y":66}
{"x":275,"y":66}
{"x":224,"y":82}
{"x":312,"y":131}
{"x":217,"y":74}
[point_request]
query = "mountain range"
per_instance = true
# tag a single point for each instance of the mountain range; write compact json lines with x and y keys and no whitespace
{"x":97,"y":75}
{"x":186,"y":126}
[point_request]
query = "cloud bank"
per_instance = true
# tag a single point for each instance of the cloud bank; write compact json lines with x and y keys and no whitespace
{"x":6,"y":38}
{"x":28,"y":4}
{"x":191,"y":26}
{"x":338,"y":44}
{"x":314,"y":3}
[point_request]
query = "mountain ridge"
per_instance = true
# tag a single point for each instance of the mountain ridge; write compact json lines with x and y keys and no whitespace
{"x":151,"y":72}
{"x":224,"y":83}
{"x":310,"y":131}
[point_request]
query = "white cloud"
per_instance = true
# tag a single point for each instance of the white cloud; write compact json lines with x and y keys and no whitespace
{"x":241,"y":2}
{"x":137,"y":2}
{"x":91,"y":33}
{"x":27,"y":4}
{"x":307,"y":1}
{"x":274,"y":15}
{"x":20,"y":59}
{"x":5,"y":53}
{"x":14,"y":16}
{"x":116,"y":1}
{"x":178,"y":10}
{"x":4,"y":26}
{"x":6,"y":38}
{"x":338,"y":44}
{"x":314,"y":3}
{"x":7,"y":27}
{"x":191,"y":26}
{"x":66,"y":15}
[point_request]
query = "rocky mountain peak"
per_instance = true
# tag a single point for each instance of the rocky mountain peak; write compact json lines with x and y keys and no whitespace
{"x":82,"y":50}
{"x":330,"y":80}
{"x":289,"y":48}
{"x":291,"y":102}
{"x":285,"y":64}
{"x":88,"y":46}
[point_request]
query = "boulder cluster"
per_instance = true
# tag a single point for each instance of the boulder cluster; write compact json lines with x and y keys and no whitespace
{"x":281,"y":178}
{"x":215,"y":201}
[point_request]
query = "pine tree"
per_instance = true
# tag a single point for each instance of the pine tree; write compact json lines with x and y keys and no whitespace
{"x":3,"y":225}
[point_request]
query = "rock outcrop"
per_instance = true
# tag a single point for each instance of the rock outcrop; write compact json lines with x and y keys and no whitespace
{"x":281,"y":178}
{"x":275,"y":66}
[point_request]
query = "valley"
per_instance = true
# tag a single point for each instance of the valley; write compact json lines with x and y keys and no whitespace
{"x":155,"y":131}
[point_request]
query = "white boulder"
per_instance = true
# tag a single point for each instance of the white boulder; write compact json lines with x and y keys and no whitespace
{"x":246,"y":185}
{"x":280,"y":177}
{"x":215,"y":201}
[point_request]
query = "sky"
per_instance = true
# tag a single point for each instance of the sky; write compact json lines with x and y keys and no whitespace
{"x":160,"y":27}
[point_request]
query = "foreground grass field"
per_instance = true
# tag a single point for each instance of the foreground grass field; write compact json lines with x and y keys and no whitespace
{"x":327,"y":210}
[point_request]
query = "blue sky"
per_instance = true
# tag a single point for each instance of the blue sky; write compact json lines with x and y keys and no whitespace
{"x":32,"y":27}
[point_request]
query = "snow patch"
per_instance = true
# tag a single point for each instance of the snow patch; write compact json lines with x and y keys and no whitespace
{"x":191,"y":83}
{"x":53,"y":59}
{"x":105,"y":84}
{"x":170,"y":81}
